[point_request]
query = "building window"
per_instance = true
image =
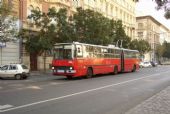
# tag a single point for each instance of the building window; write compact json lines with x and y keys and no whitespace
{"x":140,"y":25}
{"x":140,"y":34}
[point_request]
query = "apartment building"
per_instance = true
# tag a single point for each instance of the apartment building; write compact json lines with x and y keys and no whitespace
{"x":10,"y":51}
{"x":149,"y":29}
{"x":114,"y":9}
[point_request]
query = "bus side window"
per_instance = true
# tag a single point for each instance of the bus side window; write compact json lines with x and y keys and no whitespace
{"x":79,"y":51}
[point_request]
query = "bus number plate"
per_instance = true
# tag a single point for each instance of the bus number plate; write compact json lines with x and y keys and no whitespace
{"x":60,"y":71}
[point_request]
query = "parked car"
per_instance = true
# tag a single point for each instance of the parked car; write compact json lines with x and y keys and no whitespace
{"x":17,"y":71}
{"x":147,"y":64}
{"x":141,"y":64}
{"x":154,"y":64}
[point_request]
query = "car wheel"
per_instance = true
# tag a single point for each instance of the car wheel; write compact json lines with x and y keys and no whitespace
{"x":18,"y":77}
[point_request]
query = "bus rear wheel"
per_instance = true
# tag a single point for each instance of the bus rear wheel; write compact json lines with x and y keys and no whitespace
{"x":89,"y":73}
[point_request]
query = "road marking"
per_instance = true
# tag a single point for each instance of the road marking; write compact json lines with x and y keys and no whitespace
{"x":5,"y":106}
{"x":78,"y":93}
{"x":31,"y":87}
{"x":34,"y":87}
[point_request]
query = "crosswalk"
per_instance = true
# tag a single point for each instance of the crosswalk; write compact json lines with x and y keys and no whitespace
{"x":4,"y":107}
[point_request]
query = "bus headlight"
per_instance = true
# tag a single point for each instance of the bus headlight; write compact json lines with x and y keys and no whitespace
{"x":52,"y":68}
{"x":71,"y":68}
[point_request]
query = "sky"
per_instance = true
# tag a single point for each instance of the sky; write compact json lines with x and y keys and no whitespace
{"x":147,"y":7}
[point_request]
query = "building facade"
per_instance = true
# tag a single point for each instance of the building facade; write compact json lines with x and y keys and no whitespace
{"x":114,"y":9}
{"x":149,"y":29}
{"x":10,"y":51}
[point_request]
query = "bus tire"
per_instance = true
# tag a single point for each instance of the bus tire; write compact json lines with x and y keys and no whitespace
{"x":89,"y":73}
{"x":134,"y":68}
{"x":115,"y":70}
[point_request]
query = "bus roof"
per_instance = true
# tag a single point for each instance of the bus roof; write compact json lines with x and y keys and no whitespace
{"x":109,"y":46}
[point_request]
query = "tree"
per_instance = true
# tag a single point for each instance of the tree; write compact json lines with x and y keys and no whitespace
{"x":42,"y":40}
{"x":8,"y":25}
{"x":160,"y":50}
{"x":91,"y":27}
{"x":51,"y":27}
{"x":166,"y":53}
{"x":65,"y":30}
{"x":118,"y":34}
{"x":165,"y":4}
{"x":141,"y":45}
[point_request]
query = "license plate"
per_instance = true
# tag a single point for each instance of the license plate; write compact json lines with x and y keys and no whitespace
{"x":60,"y":71}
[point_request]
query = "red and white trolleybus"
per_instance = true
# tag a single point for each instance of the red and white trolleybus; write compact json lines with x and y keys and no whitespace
{"x":80,"y":59}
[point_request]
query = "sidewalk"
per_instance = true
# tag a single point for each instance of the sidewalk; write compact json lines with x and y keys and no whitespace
{"x":157,"y":104}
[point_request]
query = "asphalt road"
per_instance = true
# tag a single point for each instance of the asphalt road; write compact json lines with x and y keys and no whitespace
{"x":105,"y":94}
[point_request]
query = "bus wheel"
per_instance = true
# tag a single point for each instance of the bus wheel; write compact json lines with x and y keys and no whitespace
{"x":115,"y":70}
{"x":89,"y":73}
{"x":69,"y":77}
{"x":134,"y":68}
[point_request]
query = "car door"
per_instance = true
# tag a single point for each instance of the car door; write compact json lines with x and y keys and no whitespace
{"x":4,"y":71}
{"x":12,"y":70}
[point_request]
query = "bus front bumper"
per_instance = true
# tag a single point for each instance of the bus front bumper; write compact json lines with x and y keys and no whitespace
{"x":64,"y":72}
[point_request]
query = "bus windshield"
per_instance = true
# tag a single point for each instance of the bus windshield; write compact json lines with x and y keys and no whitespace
{"x":63,"y":52}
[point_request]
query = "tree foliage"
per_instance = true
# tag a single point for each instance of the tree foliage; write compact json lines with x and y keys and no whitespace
{"x":141,"y":45}
{"x":118,"y":34}
{"x":89,"y":25}
{"x":160,"y":50}
{"x":8,"y":24}
{"x":164,"y":4}
{"x":166,"y":53}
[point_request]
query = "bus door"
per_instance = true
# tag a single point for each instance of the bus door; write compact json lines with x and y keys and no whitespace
{"x":122,"y":61}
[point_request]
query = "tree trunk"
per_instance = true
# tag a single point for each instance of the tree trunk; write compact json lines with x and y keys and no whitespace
{"x":33,"y":61}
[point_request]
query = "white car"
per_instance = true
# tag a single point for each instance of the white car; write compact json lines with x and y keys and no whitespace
{"x":141,"y":64}
{"x":18,"y":71}
{"x":147,"y":64}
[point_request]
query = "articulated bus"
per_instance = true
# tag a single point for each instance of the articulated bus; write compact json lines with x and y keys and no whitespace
{"x":86,"y":60}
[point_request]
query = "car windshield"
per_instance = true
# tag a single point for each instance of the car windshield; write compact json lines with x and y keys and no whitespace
{"x":63,"y":52}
